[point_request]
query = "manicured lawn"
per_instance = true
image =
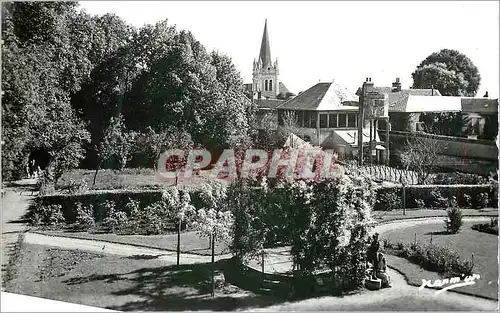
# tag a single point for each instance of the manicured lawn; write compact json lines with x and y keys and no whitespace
{"x":129,"y":178}
{"x":191,"y":242}
{"x":467,"y":242}
{"x":126,"y":283}
{"x":387,"y":216}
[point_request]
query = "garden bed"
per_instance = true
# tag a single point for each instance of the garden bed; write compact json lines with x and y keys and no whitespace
{"x":483,"y":246}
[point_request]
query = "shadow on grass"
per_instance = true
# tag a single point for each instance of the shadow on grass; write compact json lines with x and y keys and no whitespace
{"x":439,"y":233}
{"x":179,"y":288}
{"x":143,"y":257}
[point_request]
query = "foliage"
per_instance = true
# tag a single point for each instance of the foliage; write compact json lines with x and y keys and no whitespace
{"x":41,"y":68}
{"x":438,"y":196}
{"x":449,"y":71}
{"x":288,"y":123}
{"x":84,"y":216}
{"x":454,"y":220}
{"x":458,"y":178}
{"x":420,"y":154}
{"x":388,"y":201}
{"x":445,"y":123}
{"x":47,"y":215}
{"x":434,"y":258}
{"x":213,"y":220}
{"x":325,"y":222}
{"x":482,"y":200}
{"x":117,"y":142}
{"x":490,"y":228}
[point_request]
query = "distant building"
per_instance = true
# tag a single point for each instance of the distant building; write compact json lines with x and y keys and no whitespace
{"x":327,"y":115}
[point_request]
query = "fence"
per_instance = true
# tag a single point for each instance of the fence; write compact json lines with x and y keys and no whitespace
{"x":385,"y":173}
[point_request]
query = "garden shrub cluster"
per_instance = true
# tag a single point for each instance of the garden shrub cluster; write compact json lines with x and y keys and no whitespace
{"x":490,"y":228}
{"x":458,"y":178}
{"x":438,"y":196}
{"x":325,"y":222}
{"x":432,"y":257}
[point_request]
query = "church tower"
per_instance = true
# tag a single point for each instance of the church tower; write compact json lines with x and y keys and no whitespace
{"x":265,"y":73}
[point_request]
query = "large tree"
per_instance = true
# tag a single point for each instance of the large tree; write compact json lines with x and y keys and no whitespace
{"x":44,"y":62}
{"x":450,"y":72}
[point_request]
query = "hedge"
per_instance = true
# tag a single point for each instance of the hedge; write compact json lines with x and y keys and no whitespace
{"x":429,"y":194}
{"x":425,"y":193}
{"x":97,"y":198}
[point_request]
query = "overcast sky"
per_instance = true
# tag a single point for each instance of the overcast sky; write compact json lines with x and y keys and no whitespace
{"x":321,"y":41}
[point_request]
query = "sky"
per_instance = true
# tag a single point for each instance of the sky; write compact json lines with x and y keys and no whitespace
{"x":332,"y":40}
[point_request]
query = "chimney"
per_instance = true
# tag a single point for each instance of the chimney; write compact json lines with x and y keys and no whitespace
{"x":486,"y":95}
{"x":396,"y":86}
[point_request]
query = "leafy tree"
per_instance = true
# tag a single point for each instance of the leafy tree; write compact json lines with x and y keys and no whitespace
{"x":117,"y":143}
{"x":285,"y":96}
{"x":215,"y":220}
{"x":42,"y":65}
{"x":444,"y":123}
{"x":449,"y":71}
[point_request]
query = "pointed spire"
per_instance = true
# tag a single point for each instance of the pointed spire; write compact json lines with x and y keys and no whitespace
{"x":265,"y":50}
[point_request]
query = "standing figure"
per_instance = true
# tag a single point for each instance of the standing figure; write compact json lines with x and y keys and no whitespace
{"x":373,"y":254}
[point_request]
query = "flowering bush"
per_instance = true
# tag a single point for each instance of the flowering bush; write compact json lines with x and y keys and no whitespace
{"x":388,"y":201}
{"x":50,"y":215}
{"x":84,"y":216}
{"x":325,"y":221}
{"x":482,"y":200}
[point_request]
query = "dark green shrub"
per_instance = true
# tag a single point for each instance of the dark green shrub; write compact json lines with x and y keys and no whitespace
{"x":458,"y":179}
{"x":454,"y":220}
{"x":434,"y":258}
{"x":490,"y":228}
{"x":438,"y":195}
{"x":388,"y":200}
{"x":482,"y":200}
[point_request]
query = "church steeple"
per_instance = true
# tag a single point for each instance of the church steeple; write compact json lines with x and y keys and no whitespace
{"x":265,"y":73}
{"x":265,"y":49}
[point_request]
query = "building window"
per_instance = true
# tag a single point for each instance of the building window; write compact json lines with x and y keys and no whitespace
{"x":266,"y":86}
{"x":323,"y":121}
{"x":314,"y":119}
{"x":332,"y":123}
{"x":300,"y":118}
{"x":271,"y":85}
{"x":343,"y":120}
{"x":307,"y":118}
{"x":352,"y":120}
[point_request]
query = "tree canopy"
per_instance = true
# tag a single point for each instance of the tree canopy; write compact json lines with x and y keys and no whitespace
{"x":450,"y":72}
{"x":66,"y":74}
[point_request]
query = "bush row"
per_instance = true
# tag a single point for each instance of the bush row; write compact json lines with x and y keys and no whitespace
{"x":432,"y":257}
{"x":437,"y":196}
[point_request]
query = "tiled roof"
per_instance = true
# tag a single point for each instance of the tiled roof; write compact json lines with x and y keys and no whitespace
{"x":350,"y":136}
{"x":397,"y":100}
{"x":283,"y":88}
{"x":270,"y":104}
{"x":322,"y":96}
{"x":479,"y":105}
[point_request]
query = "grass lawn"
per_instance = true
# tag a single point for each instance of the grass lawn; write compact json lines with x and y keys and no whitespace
{"x":129,"y":178}
{"x":126,"y":283}
{"x":468,"y":241}
{"x":387,"y":216}
{"x":191,"y":242}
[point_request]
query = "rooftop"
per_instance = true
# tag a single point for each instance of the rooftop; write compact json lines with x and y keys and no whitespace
{"x":322,"y":97}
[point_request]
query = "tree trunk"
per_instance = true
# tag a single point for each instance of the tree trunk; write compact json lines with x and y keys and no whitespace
{"x":213,"y":266}
{"x":97,"y":170}
{"x":179,"y":241}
